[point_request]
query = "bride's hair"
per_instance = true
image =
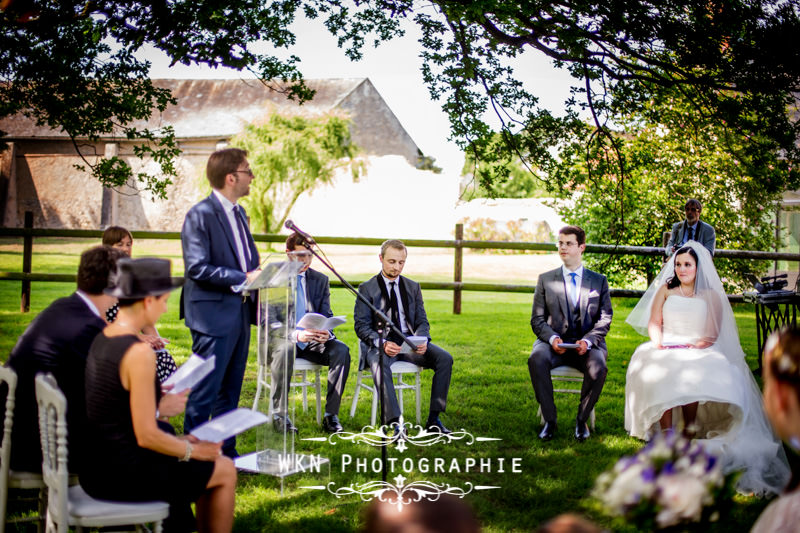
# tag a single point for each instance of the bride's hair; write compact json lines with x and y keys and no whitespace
{"x":782,"y":355}
{"x":674,"y":281}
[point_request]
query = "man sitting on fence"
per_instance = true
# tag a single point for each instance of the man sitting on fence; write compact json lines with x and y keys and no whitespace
{"x":400,"y":299}
{"x":58,"y":341}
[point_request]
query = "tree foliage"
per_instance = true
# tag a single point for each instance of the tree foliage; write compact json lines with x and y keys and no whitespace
{"x":72,"y":65}
{"x":669,"y":158}
{"x":504,"y":177}
{"x":289,"y":156}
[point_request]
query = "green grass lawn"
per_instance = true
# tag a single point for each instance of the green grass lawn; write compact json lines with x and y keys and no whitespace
{"x":490,"y":396}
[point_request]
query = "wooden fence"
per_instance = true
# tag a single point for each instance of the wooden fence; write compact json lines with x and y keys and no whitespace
{"x":28,"y":233}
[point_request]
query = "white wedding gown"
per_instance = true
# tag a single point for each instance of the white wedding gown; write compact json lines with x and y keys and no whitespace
{"x":730,"y":417}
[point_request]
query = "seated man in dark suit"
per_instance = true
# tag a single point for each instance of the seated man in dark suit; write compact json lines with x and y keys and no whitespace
{"x":58,"y":341}
{"x":401,"y":300}
{"x":318,"y":346}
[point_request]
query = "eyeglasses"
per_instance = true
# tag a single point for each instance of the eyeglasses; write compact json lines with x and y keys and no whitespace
{"x":249,"y":172}
{"x":569,"y":244}
{"x":692,"y":209}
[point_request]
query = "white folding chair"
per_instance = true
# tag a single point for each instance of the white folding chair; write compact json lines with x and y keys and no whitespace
{"x":71,"y":506}
{"x":398,"y":368}
{"x":9,"y":479}
{"x":567,"y":374}
{"x":302,"y":367}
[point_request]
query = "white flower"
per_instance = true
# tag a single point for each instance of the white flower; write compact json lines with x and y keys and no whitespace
{"x":660,"y":450}
{"x":681,"y":497}
{"x":628,"y":488}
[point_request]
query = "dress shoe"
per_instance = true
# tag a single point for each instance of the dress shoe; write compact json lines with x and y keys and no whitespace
{"x":283,"y":423}
{"x":548,"y":431}
{"x":581,"y":431}
{"x":331,"y":424}
{"x":435,"y":425}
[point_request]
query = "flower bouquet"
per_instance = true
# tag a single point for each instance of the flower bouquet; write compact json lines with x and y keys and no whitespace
{"x":670,"y":482}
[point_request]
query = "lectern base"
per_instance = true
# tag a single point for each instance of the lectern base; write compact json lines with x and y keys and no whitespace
{"x":279,"y":464}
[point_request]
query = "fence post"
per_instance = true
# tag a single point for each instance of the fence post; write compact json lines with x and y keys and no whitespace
{"x":27,"y":257}
{"x":459,"y":255}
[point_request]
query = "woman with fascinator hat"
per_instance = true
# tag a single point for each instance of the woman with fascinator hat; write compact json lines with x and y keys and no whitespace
{"x":693,"y":376}
{"x":136,"y":457}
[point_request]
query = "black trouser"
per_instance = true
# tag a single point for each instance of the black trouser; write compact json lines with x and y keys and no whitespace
{"x":434,"y":357}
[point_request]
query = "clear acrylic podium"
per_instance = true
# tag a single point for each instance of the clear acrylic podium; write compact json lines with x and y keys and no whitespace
{"x":275,"y":348}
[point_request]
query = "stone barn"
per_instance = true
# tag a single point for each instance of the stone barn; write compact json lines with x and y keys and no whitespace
{"x":37,"y":171}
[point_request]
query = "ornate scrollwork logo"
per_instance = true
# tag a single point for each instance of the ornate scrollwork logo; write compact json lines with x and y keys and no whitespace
{"x":402,"y":435}
{"x":399,"y":493}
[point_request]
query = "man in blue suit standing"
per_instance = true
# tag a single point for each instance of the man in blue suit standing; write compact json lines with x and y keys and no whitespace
{"x":219,"y":253}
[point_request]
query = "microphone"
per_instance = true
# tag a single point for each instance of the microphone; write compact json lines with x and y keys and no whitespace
{"x":290,"y":225}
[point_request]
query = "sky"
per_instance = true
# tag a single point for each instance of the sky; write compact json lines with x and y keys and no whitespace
{"x":394,"y":69}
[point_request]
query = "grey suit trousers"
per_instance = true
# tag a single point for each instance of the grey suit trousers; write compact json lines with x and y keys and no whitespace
{"x":335,"y":355}
{"x":593,"y":365}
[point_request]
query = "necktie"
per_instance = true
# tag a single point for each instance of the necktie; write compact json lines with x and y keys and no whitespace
{"x":395,"y":314}
{"x":573,"y":289}
{"x":242,"y":236}
{"x":300,"y":305}
{"x":393,"y":304}
{"x":690,"y":235}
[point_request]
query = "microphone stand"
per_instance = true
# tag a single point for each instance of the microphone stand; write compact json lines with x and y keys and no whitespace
{"x":384,"y":324}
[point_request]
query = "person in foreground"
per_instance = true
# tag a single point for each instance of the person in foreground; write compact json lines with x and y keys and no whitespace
{"x":571,"y":305}
{"x":401,"y":300}
{"x":58,"y":341}
{"x":136,"y":457}
{"x":782,"y":404}
{"x":445,"y":514}
{"x":693,"y":376}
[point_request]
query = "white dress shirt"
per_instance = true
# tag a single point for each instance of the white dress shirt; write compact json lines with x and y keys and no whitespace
{"x":91,"y":305}
{"x":228,"y":206}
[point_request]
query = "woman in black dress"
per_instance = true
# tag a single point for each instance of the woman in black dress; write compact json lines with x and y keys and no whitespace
{"x":134,"y":456}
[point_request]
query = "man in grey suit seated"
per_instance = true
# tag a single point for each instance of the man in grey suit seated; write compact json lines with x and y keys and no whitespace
{"x":571,"y":317}
{"x":691,"y":229}
{"x":401,"y":300}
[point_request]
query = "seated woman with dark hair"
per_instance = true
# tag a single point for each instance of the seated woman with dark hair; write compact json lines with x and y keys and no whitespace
{"x":693,"y":372}
{"x":134,"y":457}
{"x":121,"y":239}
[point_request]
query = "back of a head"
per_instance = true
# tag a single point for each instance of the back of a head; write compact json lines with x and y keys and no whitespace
{"x":96,"y":266}
{"x":447,"y":514}
{"x":568,"y":523}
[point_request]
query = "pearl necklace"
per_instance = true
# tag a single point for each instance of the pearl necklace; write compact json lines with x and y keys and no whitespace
{"x":680,"y":288}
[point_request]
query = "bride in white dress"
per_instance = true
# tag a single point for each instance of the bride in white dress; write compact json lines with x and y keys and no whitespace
{"x":692,"y":375}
